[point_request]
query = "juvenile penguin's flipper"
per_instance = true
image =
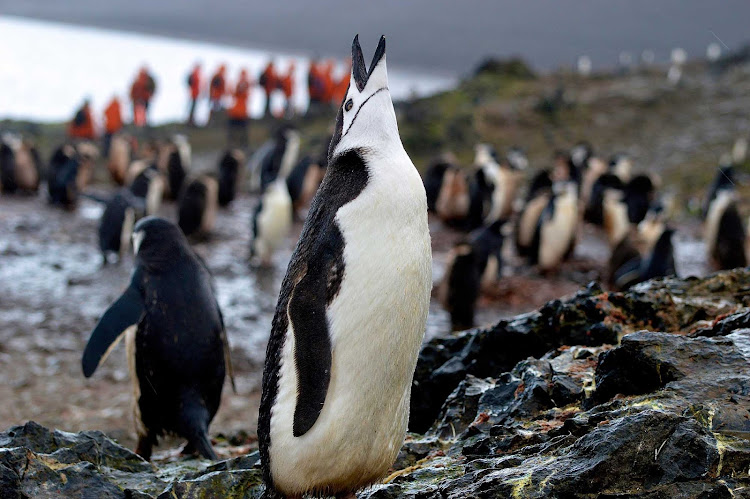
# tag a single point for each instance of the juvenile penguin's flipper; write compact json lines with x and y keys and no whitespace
{"x":123,"y":313}
{"x":312,"y":343}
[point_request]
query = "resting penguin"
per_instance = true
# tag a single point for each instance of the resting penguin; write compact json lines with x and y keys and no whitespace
{"x":229,"y":170}
{"x":639,"y":193}
{"x":723,"y":180}
{"x":504,"y":179}
{"x":453,"y":200}
{"x":593,"y":206}
{"x":198,"y":206}
{"x":176,"y":343}
{"x":116,"y":225}
{"x":353,"y":307}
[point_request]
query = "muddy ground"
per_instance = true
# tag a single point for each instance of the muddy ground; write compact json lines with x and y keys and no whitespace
{"x":53,"y":289}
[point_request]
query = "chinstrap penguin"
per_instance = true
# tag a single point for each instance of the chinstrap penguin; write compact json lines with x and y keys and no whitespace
{"x":352,"y":309}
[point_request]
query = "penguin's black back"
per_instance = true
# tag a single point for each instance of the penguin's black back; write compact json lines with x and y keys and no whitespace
{"x":296,"y":178}
{"x":486,"y":242}
{"x":539,"y":183}
{"x":661,"y":261}
{"x":624,"y":265}
{"x":480,"y":200}
{"x":179,"y":350}
{"x":729,"y":249}
{"x":110,"y":226}
{"x":140,"y":184}
{"x":61,"y":181}
{"x":433,"y":181}
{"x":193,"y":205}
{"x":7,"y":169}
{"x":638,"y":195}
{"x":228,"y":172}
{"x":463,"y":289}
{"x":272,"y":162}
{"x":175,"y":173}
{"x":594,"y":211}
{"x":724,"y":179}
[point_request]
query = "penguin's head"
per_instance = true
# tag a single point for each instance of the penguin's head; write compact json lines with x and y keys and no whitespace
{"x":366,"y":113}
{"x":157,"y":242}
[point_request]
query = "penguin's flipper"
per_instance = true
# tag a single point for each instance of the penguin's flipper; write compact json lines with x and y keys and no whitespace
{"x":122,"y":314}
{"x":312,"y":343}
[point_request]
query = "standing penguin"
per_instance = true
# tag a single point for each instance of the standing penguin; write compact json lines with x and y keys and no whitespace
{"x":116,"y":225}
{"x":353,"y":307}
{"x":174,"y":163}
{"x":176,"y":343}
{"x":62,"y":176}
{"x":198,"y":206}
{"x":272,"y":220}
{"x":556,"y":231}
{"x":229,"y":171}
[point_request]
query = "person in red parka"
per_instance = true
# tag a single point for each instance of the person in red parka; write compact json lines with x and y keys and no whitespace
{"x":141,"y":93}
{"x":237,"y":124}
{"x":81,"y":126}
{"x":269,"y":81}
{"x":112,"y":122}
{"x":194,"y":87}
{"x":286,"y":85}
{"x":217,"y":89}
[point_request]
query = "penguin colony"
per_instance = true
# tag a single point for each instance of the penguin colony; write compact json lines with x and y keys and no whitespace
{"x":351,"y":312}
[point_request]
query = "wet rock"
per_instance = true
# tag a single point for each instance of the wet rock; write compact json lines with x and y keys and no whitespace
{"x":589,"y":318}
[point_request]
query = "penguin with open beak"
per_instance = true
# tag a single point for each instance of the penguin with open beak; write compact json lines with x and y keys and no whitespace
{"x":176,"y":344}
{"x":353,"y":307}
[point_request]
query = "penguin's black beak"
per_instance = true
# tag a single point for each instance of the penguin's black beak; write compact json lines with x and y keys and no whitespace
{"x":359,"y":70}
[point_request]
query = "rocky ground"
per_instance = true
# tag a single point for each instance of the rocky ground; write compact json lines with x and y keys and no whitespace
{"x":644,"y":393}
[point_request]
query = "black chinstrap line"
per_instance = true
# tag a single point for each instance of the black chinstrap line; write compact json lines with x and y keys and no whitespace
{"x":360,"y":108}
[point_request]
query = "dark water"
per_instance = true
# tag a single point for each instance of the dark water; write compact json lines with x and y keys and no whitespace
{"x":443,"y":35}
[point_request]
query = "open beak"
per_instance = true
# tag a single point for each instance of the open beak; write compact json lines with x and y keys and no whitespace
{"x":359,"y":70}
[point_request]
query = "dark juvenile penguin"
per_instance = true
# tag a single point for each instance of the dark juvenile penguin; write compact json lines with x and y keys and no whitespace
{"x":174,"y":163}
{"x":121,"y":212}
{"x":472,"y":265}
{"x":63,"y":173}
{"x":353,"y":307}
{"x":433,"y":179}
{"x":459,"y":290}
{"x":639,"y":193}
{"x":229,"y":170}
{"x":176,"y":343}
{"x":198,"y":206}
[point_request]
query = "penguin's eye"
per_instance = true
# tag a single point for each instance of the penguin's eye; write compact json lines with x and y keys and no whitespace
{"x":349,"y":104}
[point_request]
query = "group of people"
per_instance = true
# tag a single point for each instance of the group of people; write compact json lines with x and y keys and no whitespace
{"x":325,"y":88}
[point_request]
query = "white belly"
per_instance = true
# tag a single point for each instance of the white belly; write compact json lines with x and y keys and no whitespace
{"x":376,"y":325}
